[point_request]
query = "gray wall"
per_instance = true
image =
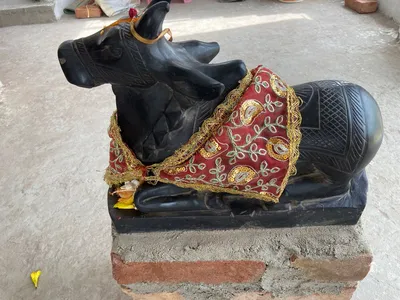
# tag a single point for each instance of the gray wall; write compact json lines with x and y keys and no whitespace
{"x":390,"y":8}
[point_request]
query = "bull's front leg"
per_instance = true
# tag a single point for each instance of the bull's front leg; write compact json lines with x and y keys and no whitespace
{"x":164,"y":197}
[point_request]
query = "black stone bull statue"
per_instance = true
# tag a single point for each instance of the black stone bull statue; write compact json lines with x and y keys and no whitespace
{"x":165,"y":90}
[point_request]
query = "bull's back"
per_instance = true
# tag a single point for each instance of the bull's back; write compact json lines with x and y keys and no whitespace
{"x":341,"y":126}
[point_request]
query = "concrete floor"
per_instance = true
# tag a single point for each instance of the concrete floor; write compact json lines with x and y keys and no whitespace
{"x":54,"y":144}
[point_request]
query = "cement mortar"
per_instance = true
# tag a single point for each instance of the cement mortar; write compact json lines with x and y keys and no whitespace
{"x":195,"y":291}
{"x":273,"y":246}
{"x":276,"y":282}
{"x":289,"y":282}
{"x":228,"y":291}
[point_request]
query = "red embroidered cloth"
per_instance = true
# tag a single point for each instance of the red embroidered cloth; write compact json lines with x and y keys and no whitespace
{"x":249,"y":147}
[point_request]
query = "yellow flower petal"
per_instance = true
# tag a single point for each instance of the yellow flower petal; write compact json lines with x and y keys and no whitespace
{"x":35,"y":277}
{"x":121,"y":205}
{"x":126,"y":200}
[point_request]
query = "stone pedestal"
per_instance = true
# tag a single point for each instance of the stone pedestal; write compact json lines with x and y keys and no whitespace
{"x":23,"y":12}
{"x":322,"y":263}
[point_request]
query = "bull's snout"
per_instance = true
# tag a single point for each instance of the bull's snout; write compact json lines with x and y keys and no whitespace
{"x":73,"y":68}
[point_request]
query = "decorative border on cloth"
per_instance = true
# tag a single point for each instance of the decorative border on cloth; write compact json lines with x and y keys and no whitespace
{"x":133,"y":169}
{"x":294,"y":134}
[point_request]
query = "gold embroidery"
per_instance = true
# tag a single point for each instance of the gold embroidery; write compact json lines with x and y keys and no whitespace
{"x":278,"y":86}
{"x":249,"y":110}
{"x":216,"y":189}
{"x":114,"y":129}
{"x":241,"y":175}
{"x":278,"y":149}
{"x":210,"y":148}
{"x":174,"y":171}
{"x":294,"y":135}
{"x":266,"y":193}
{"x":112,"y":178}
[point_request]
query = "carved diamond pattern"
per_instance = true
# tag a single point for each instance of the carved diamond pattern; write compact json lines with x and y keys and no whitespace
{"x":333,"y":133}
{"x":165,"y":124}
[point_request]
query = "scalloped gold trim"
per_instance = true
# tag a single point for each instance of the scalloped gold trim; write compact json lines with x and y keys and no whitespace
{"x":212,"y":188}
{"x":115,"y":131}
{"x":294,"y":134}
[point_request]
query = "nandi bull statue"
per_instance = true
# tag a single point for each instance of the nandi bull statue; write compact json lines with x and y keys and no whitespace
{"x":195,"y":144}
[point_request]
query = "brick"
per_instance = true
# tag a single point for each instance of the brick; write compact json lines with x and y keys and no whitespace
{"x":341,"y":270}
{"x":362,"y":6}
{"x":208,"y":272}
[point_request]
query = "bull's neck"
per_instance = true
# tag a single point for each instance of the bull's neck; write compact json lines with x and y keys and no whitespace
{"x":156,"y":121}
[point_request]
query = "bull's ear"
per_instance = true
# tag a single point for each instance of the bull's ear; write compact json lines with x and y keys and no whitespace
{"x":150,"y":23}
{"x":194,"y":84}
{"x":229,"y":73}
{"x":201,"y":51}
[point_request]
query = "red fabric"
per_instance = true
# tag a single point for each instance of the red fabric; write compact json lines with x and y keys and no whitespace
{"x":251,"y":160}
{"x":118,"y":163}
{"x":253,"y":153}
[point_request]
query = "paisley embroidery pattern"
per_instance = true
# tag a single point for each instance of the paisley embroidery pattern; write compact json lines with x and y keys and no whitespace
{"x":279,"y":87}
{"x":251,"y":152}
{"x":210,"y":148}
{"x":249,"y":110}
{"x":278,"y":148}
{"x":241,"y":175}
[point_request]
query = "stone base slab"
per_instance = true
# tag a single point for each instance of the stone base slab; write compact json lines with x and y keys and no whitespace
{"x":24,"y":12}
{"x":307,"y":263}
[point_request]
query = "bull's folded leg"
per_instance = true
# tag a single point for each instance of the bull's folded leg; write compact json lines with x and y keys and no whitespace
{"x":167,"y":197}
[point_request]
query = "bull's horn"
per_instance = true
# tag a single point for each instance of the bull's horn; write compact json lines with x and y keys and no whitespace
{"x":150,"y":24}
{"x":156,"y":1}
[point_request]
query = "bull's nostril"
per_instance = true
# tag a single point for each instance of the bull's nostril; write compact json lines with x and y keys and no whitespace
{"x":62,"y":60}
